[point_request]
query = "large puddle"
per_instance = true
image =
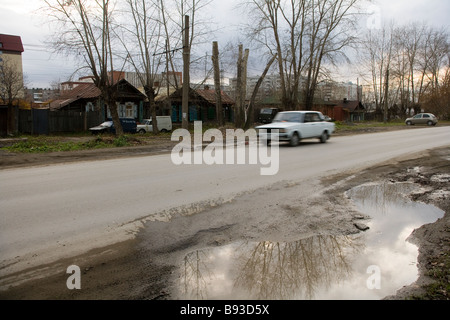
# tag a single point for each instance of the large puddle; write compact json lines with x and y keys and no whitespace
{"x":367,"y":266}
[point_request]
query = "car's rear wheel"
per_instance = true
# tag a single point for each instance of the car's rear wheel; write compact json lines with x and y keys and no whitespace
{"x":324,"y":137}
{"x":430,"y":123}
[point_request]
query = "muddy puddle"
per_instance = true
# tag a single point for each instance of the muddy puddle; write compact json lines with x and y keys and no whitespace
{"x":367,"y":266}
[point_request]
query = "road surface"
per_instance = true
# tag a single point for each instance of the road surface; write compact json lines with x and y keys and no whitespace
{"x":54,"y":212}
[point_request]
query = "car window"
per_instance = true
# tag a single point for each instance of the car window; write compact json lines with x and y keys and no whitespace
{"x":288,"y":117}
{"x":312,"y":117}
{"x":426,"y":116}
{"x":308,"y":117}
{"x":315,"y":117}
{"x":419,"y":116}
{"x":297,"y":118}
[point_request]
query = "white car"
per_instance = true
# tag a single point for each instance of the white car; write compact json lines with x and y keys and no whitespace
{"x":164,"y":125}
{"x":294,"y":126}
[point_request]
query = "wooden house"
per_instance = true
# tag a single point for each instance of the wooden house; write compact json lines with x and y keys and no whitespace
{"x":86,"y":97}
{"x":202,"y":105}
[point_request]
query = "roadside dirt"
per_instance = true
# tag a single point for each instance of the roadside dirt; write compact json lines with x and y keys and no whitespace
{"x":148,"y":146}
{"x":144,"y":268}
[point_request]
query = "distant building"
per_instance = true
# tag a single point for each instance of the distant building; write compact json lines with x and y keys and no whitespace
{"x":70,"y":85}
{"x":11,"y":49}
{"x":269,"y":87}
{"x":173,"y":79}
{"x":38,"y":96}
{"x":338,"y":91}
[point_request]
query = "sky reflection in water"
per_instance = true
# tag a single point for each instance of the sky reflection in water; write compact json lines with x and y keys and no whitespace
{"x":320,"y":267}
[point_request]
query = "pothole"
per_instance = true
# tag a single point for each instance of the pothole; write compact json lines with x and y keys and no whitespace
{"x":367,"y":266}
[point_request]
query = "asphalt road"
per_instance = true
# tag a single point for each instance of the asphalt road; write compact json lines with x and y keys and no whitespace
{"x":54,"y":212}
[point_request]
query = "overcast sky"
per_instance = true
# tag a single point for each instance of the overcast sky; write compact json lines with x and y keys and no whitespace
{"x":19,"y":17}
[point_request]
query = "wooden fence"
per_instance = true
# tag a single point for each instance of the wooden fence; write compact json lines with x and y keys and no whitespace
{"x":38,"y":121}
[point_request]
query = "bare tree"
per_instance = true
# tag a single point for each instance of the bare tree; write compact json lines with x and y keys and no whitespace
{"x":158,"y":33}
{"x":11,"y":89}
{"x":437,"y":100}
{"x":328,"y":36}
{"x":251,"y":106}
{"x":145,"y":40}
{"x":84,"y":29}
{"x":414,"y":55}
{"x":436,"y":51}
{"x":377,"y":56}
{"x":304,"y":35}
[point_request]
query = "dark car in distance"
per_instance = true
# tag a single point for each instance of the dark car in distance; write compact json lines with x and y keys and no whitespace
{"x":128,"y":126}
{"x":267,"y":115}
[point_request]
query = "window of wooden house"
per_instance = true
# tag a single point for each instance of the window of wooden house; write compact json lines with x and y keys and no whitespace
{"x":129,"y":112}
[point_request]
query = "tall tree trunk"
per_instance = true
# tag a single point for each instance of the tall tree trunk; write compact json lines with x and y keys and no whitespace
{"x":251,"y":107}
{"x":115,"y":116}
{"x":150,"y":93}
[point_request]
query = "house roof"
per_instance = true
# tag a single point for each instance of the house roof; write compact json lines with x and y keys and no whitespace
{"x":210,"y":96}
{"x":82,"y":91}
{"x":162,"y":95}
{"x":90,"y":91}
{"x":351,"y":106}
{"x":11,"y":43}
{"x":204,"y":94}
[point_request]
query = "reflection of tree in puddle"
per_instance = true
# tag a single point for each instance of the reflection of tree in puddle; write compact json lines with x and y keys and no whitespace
{"x":195,"y":271}
{"x":381,"y":196}
{"x":270,"y":270}
{"x":286,"y":270}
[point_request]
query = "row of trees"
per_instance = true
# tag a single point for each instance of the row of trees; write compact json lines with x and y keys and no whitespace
{"x":407,"y":67}
{"x":303,"y":39}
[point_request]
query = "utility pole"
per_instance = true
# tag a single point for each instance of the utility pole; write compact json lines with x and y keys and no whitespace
{"x":169,"y":104}
{"x":217,"y":84}
{"x":186,"y":76}
{"x":237,"y":114}
{"x":241,"y":89}
{"x":386,"y":92}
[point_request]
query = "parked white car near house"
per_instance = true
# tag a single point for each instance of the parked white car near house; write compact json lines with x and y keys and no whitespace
{"x":294,"y":126}
{"x":164,"y":125}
